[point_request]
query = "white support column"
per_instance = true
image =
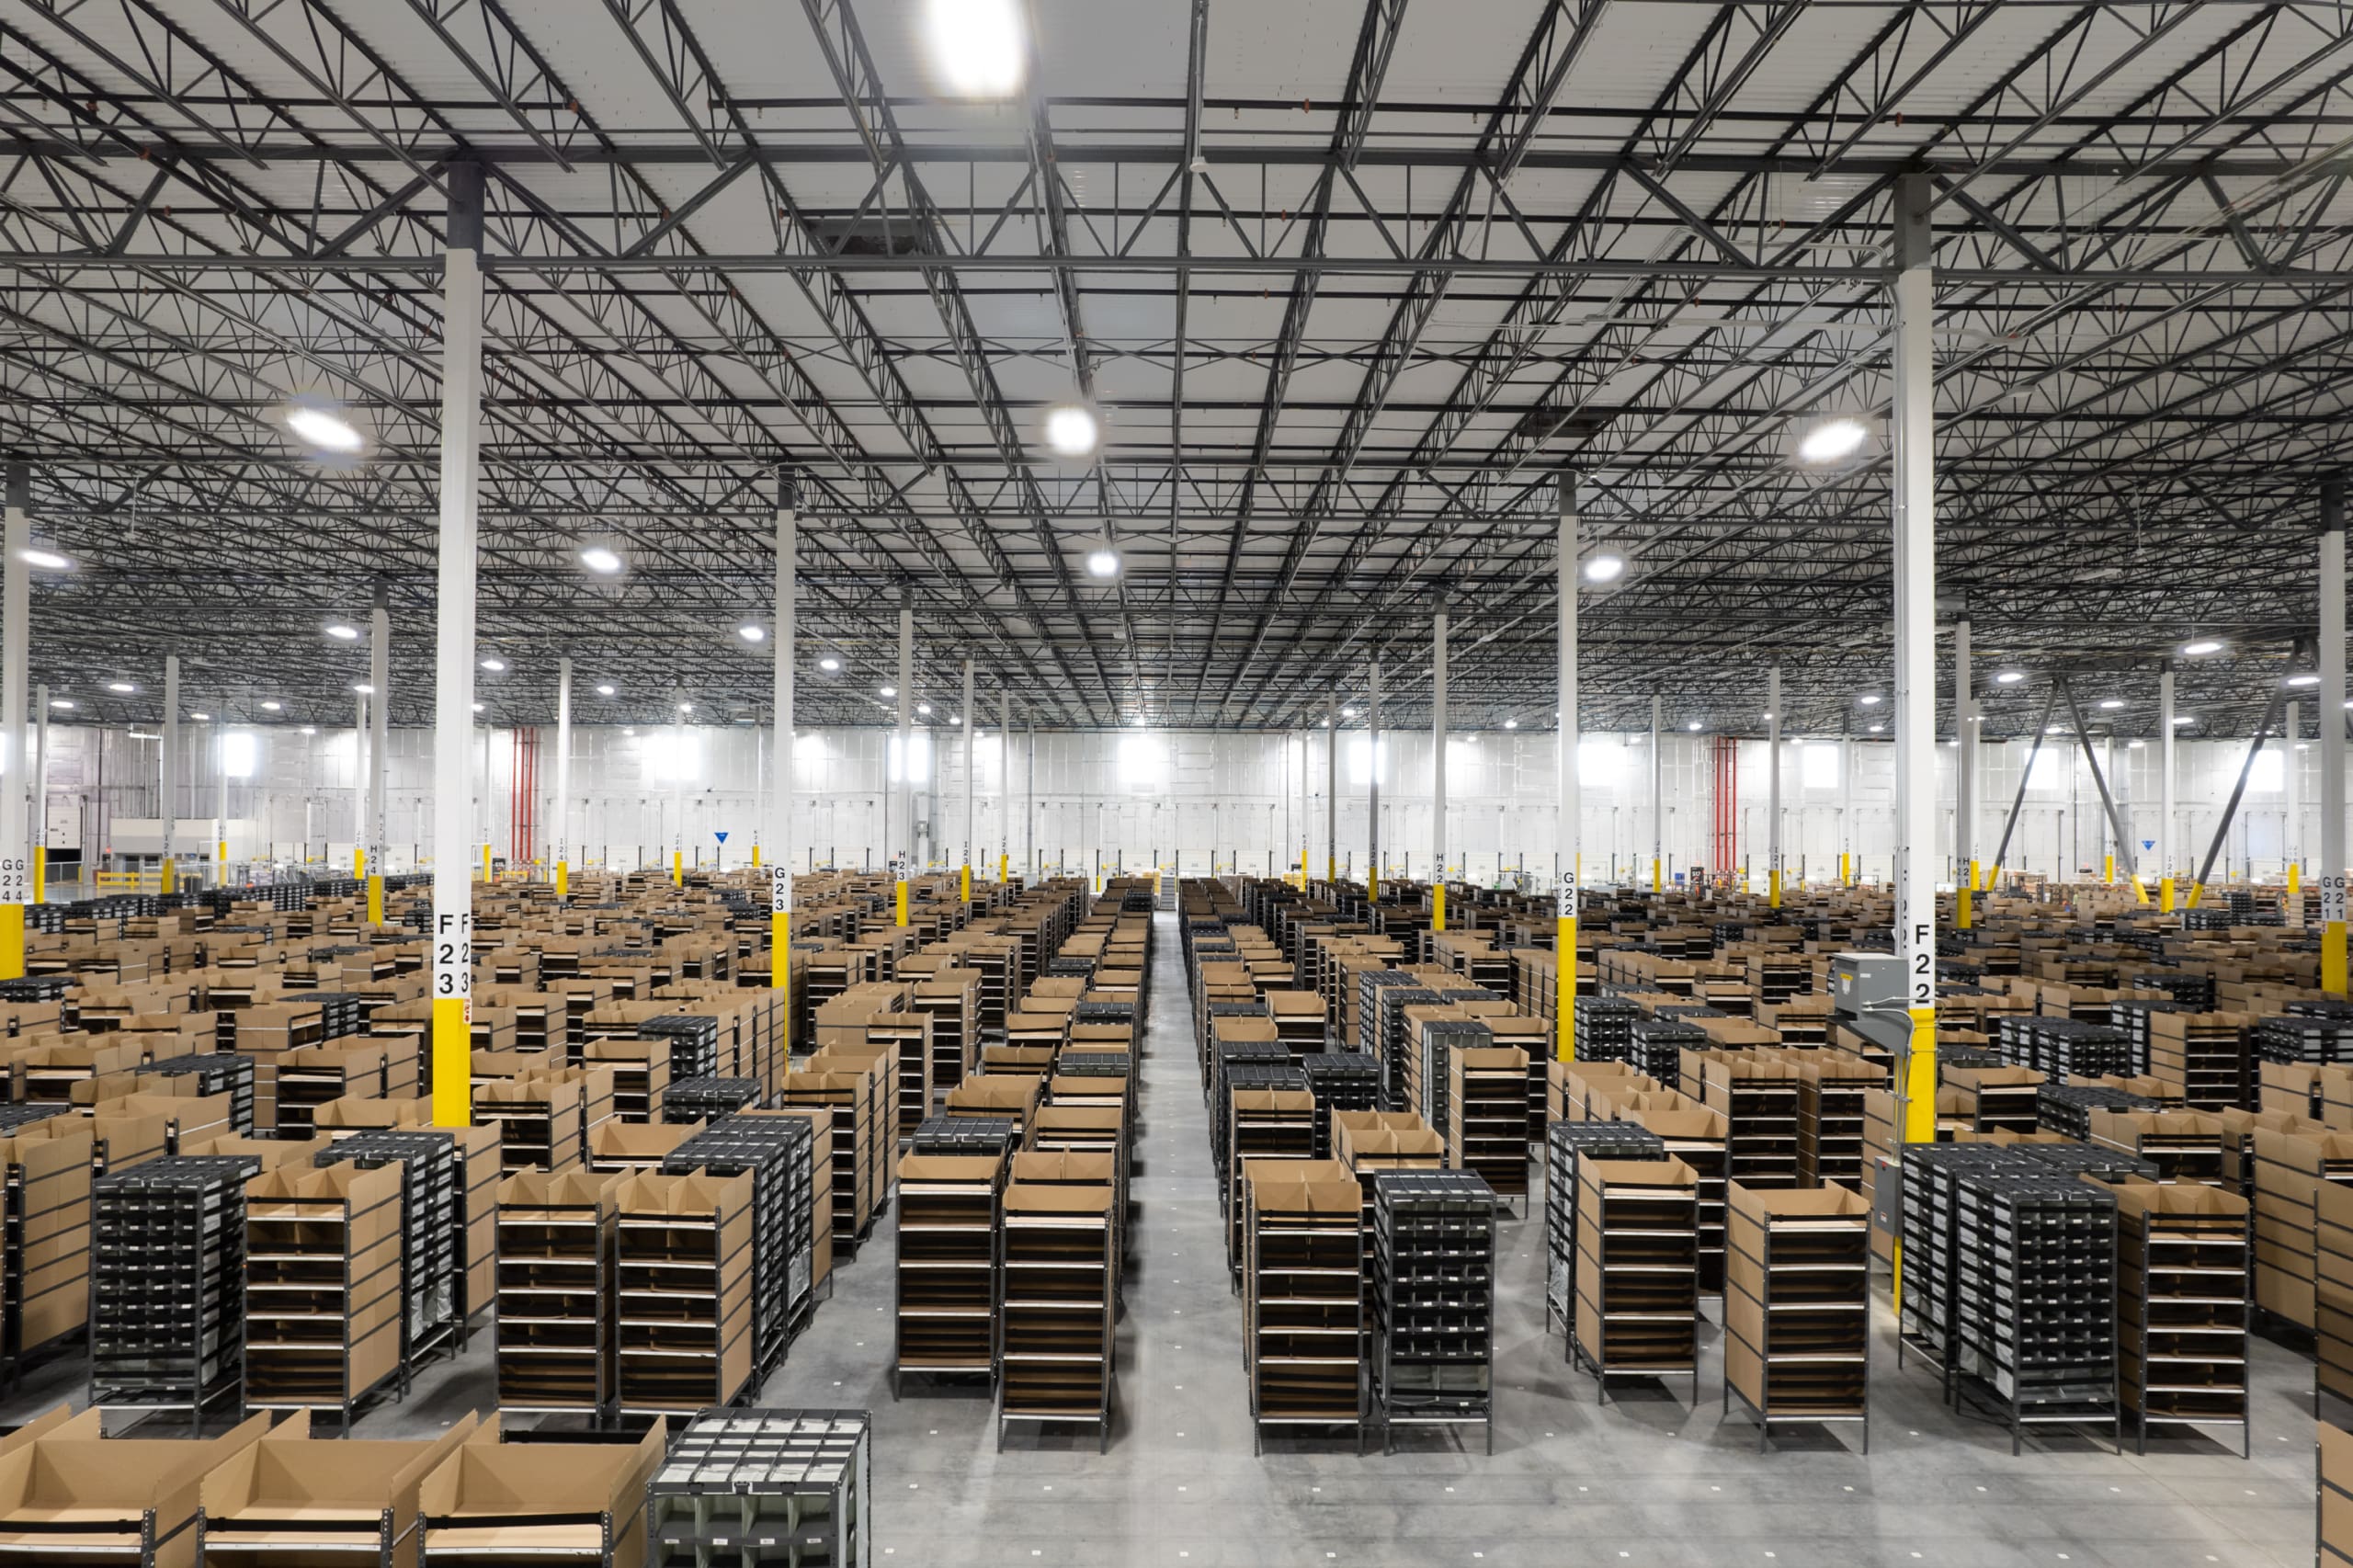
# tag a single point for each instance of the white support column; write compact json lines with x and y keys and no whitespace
{"x":562,"y":824}
{"x":1438,"y":771}
{"x":972,"y":766}
{"x":1030,"y":807}
{"x":779,"y":830}
{"x":2166,"y":773}
{"x":2291,"y":811}
{"x":1916,"y":647}
{"x":1332,"y":787}
{"x":16,"y":643}
{"x":1004,"y":785}
{"x":903,"y":853}
{"x":1372,"y":771}
{"x":220,"y":805}
{"x":167,"y":771}
{"x":1658,"y":795}
{"x":359,"y":817}
{"x":453,"y":654}
{"x":1847,"y":865}
{"x":1773,"y":787}
{"x":1964,"y":780}
{"x":1564,"y":834}
{"x":374,"y":833}
{"x":2331,"y":738}
{"x":37,"y":828}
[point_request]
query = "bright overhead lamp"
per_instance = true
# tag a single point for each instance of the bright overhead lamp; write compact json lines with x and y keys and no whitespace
{"x":751,"y":633}
{"x":829,"y":664}
{"x":1104,"y":563}
{"x":2201,"y":648}
{"x":64,"y":702}
{"x":364,"y":689}
{"x":1768,"y":718}
{"x":2009,"y":678}
{"x":1348,"y":713}
{"x":343,"y":633}
{"x":494,"y":665}
{"x":1606,"y":567}
{"x":1833,"y":441}
{"x":325,"y":429}
{"x":889,"y":692}
{"x":2112,"y":703}
{"x":1073,"y":431}
{"x":272,"y":707}
{"x":1869,"y":700}
{"x":685,"y":707}
{"x":1876,"y":728}
{"x":47,"y":560}
{"x":1693,"y":726}
{"x":1139,"y":720}
{"x":201,"y":717}
{"x":2181,"y":718}
{"x":923,"y":709}
{"x":597,"y":559}
{"x":477,"y":707}
{"x":123,"y":687}
{"x":2133,"y":745}
{"x":310,"y":729}
{"x":1511,"y":723}
{"x":979,"y":48}
{"x":2305,"y":680}
{"x":604,"y":691}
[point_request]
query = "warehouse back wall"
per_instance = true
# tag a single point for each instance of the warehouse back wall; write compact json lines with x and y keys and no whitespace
{"x":1144,"y":797}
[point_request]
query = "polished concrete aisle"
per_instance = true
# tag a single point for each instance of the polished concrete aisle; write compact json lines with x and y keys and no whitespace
{"x":1650,"y":1481}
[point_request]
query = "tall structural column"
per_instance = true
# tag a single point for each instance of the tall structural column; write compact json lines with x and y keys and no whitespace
{"x":678,"y":797}
{"x":359,"y":784}
{"x":1306,"y":803}
{"x":1332,"y":787}
{"x":37,"y":828}
{"x":1658,"y":796}
{"x":902,"y":857}
{"x":2291,"y":816}
{"x":972,"y":764}
{"x":2165,"y":747}
{"x":1565,"y":896}
{"x":453,"y":654}
{"x":1964,"y":780}
{"x":16,"y":643}
{"x":374,"y":834}
{"x":1916,"y":647}
{"x":2331,"y":738}
{"x":167,"y":771}
{"x":1773,"y":787}
{"x":1438,"y":771}
{"x":1004,"y":787}
{"x":221,"y":800}
{"x":1372,"y":772}
{"x":1029,"y":805}
{"x":778,"y":830}
{"x":562,"y":824}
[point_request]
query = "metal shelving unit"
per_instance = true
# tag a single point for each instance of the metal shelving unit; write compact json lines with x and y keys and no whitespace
{"x":1432,"y":1352}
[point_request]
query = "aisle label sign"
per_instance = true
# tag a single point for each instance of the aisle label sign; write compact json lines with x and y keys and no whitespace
{"x":2332,"y":898}
{"x":1565,"y":897}
{"x":780,"y":890}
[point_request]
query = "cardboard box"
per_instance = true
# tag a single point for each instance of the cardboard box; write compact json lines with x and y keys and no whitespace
{"x":586,"y":1500}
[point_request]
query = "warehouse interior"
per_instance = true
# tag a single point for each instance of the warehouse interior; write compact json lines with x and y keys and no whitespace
{"x":980,"y":781}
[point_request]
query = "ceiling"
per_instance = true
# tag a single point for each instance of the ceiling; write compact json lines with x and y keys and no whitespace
{"x":1356,"y":286}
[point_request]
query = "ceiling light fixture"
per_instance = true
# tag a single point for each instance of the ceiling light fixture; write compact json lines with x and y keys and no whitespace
{"x":364,"y":689}
{"x":272,"y":707}
{"x":123,"y":687}
{"x":310,"y":729}
{"x":201,"y":717}
{"x":1073,"y":431}
{"x":2181,"y":718}
{"x":1833,"y":441}
{"x":2009,"y":678}
{"x":477,"y":707}
{"x":494,"y":665}
{"x":343,"y":633}
{"x":1606,"y":567}
{"x":1869,"y":700}
{"x":1876,"y":728}
{"x":2305,"y":680}
{"x":829,"y":664}
{"x":1104,"y":563}
{"x":2201,"y":648}
{"x":597,"y":559}
{"x":325,"y":429}
{"x":2112,"y":703}
{"x":977,"y":49}
{"x":64,"y":702}
{"x":604,"y":691}
{"x":47,"y":560}
{"x":923,"y":709}
{"x":685,"y":707}
{"x":751,"y":633}
{"x":1693,"y":726}
{"x":889,"y":692}
{"x":1511,"y":723}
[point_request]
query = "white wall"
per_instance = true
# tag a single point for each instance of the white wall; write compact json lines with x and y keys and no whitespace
{"x":1143,"y":797}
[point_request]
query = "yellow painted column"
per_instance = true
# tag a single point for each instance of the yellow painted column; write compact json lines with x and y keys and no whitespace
{"x":1773,"y":887}
{"x":2164,"y":894}
{"x":564,"y":879}
{"x":1437,"y":907}
{"x":2107,"y":870}
{"x":1657,"y":882}
{"x":965,"y":884}
{"x":376,"y":898}
{"x":2295,"y":879}
{"x":1846,"y":877}
{"x":780,"y":956}
{"x":1976,"y":877}
{"x":1372,"y":884}
{"x":2332,"y":955}
{"x":677,"y":868}
{"x":485,"y":862}
{"x":359,"y":861}
{"x":12,"y":941}
{"x":755,"y":854}
{"x":1964,"y":917}
{"x":453,"y":1054}
{"x":169,"y":877}
{"x":899,"y":901}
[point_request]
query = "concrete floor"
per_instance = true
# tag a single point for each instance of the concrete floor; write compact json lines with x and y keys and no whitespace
{"x":1649,"y":1480}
